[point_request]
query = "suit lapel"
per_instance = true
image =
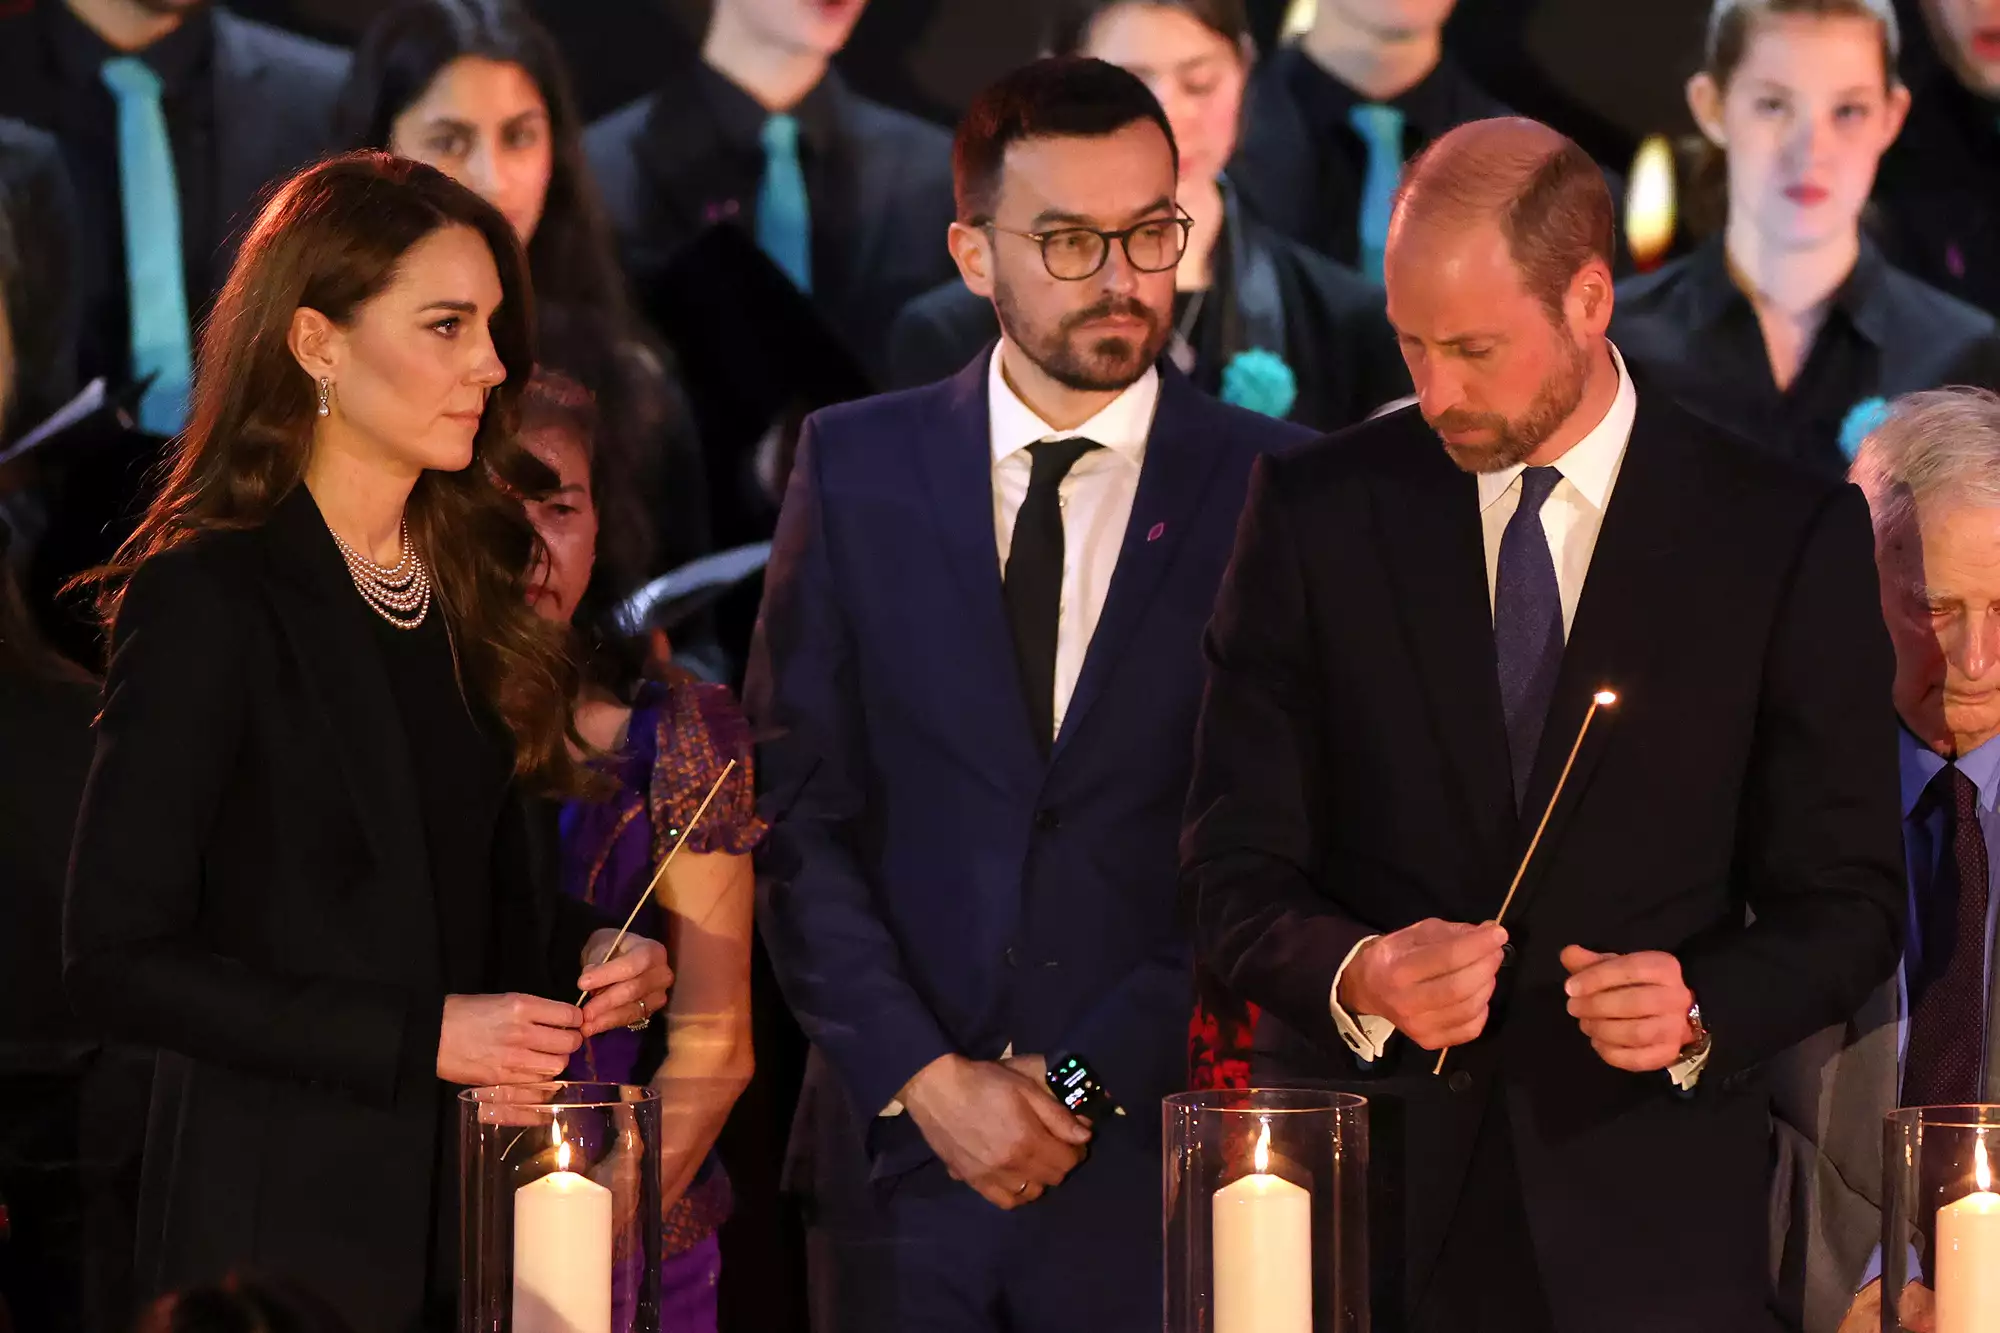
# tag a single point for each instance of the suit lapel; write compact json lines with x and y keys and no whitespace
{"x":1172,"y":483}
{"x":1428,"y":514}
{"x":325,"y":622}
{"x":1616,"y":629}
{"x":956,"y":460}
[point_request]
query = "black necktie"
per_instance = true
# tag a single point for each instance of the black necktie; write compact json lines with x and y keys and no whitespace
{"x":1527,"y":624}
{"x":1034,"y":579}
{"x":1948,"y":1014}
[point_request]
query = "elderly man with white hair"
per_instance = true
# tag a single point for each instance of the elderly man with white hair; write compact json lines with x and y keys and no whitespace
{"x":1931,"y":1035}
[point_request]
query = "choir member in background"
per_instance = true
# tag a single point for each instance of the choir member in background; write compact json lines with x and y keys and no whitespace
{"x":1334,"y":117}
{"x":979,"y":668}
{"x":172,"y":116}
{"x":1928,"y":1036}
{"x":38,"y":219}
{"x":302,"y":870}
{"x":1259,"y":319}
{"x":664,"y":744}
{"x":478,"y":89}
{"x":1789,"y":328}
{"x":71,"y":1109}
{"x":1938,"y":196}
{"x":849,"y":198}
{"x":1418,"y":615}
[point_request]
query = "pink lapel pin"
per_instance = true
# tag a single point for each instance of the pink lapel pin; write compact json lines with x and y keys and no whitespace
{"x":1157,"y":531}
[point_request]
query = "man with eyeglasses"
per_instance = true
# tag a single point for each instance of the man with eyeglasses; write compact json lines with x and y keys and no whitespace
{"x":978,"y":669}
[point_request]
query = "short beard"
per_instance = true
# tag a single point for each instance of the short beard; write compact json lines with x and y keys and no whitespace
{"x":1106,"y":364}
{"x":1514,"y":441}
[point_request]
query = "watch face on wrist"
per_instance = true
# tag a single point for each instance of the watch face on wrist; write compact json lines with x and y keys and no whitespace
{"x":1078,"y":1089}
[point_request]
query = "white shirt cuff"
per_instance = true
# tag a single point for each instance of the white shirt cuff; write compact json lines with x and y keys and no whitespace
{"x":1367,"y":1035}
{"x":1687,"y":1073}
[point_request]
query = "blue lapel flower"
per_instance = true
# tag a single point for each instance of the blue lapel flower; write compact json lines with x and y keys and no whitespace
{"x":1861,"y":419}
{"x":1260,"y":381}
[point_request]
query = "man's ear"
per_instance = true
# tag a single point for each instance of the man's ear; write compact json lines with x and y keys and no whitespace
{"x":972,"y":250}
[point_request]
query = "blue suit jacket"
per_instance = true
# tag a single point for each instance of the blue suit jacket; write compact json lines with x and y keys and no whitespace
{"x":931,"y":883}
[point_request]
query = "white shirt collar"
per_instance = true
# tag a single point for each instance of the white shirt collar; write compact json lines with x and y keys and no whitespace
{"x":1591,"y":465}
{"x":1121,"y":427}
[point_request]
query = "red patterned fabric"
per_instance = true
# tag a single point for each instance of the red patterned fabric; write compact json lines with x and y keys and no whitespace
{"x":1219,"y":1036}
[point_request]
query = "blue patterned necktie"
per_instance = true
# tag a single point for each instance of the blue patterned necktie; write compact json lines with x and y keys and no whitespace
{"x":1527,"y":624}
{"x":784,"y":216}
{"x":1381,"y":129}
{"x":155,"y":281}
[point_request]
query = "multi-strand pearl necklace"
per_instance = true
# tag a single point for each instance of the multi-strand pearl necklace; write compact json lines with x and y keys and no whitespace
{"x":400,"y":594}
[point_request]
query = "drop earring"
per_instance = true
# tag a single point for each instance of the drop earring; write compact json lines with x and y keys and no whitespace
{"x":325,"y":408}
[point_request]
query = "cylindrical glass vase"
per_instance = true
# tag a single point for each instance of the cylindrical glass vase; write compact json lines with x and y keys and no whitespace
{"x":1266,"y":1211}
{"x":559,"y":1196}
{"x":1941,"y":1220}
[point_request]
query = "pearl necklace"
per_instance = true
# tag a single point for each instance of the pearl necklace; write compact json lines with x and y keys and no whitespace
{"x":400,"y":594}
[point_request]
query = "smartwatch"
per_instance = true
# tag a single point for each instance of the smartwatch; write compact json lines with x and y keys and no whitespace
{"x":1077,"y":1088}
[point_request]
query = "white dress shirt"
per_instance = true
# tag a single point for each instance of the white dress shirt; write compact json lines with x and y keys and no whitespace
{"x":1572,"y":516}
{"x":1096,"y":499}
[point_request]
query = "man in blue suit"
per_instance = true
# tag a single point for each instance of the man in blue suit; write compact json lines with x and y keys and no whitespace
{"x":977,"y":673}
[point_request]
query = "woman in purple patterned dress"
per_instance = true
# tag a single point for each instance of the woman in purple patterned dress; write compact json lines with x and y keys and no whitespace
{"x":665,"y":744}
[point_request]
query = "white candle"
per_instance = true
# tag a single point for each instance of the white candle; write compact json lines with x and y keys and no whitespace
{"x":1968,"y":1255}
{"x":562,"y":1253}
{"x":1263,"y":1252}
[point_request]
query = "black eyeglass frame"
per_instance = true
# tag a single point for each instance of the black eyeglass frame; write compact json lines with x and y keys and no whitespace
{"x":1104,"y":239}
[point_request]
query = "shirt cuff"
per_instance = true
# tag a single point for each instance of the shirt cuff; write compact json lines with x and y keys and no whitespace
{"x":1367,"y":1035}
{"x":1687,"y":1073}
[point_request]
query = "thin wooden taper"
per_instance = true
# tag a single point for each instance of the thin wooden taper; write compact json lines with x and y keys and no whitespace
{"x":661,"y":873}
{"x":1521,"y":871}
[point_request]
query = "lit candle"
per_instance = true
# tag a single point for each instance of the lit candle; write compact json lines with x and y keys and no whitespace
{"x":562,"y":1252}
{"x":1650,"y":212}
{"x":1263,"y":1251}
{"x":1968,"y":1255}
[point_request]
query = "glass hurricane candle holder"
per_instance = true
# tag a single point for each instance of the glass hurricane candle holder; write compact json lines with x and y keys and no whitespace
{"x":1941,"y":1219}
{"x":1266,"y":1211}
{"x":559,"y":1209}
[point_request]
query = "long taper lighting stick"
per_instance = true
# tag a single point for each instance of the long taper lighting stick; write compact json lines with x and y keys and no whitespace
{"x":661,"y":873}
{"x":1605,"y":698}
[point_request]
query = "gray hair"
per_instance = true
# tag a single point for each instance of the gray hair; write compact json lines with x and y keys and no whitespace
{"x":1941,"y":444}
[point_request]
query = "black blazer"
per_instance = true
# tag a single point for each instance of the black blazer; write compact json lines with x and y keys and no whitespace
{"x":882,"y":200}
{"x":37,"y":275}
{"x":1351,"y":777}
{"x":1328,"y":321}
{"x":250,"y":894}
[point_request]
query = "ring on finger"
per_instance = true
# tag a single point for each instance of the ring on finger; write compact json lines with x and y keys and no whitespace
{"x":1022,"y":1190}
{"x":644,"y":1020}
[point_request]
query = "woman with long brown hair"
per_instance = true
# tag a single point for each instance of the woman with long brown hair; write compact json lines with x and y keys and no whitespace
{"x":302,"y":870}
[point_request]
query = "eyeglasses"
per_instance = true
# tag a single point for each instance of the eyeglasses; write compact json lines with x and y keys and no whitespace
{"x":1071,"y":254}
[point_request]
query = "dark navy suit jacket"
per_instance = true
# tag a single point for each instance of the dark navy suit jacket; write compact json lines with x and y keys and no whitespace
{"x":932,"y":884}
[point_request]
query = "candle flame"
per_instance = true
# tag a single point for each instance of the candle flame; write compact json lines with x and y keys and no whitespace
{"x":1262,"y":1157}
{"x":1650,"y":207}
{"x":560,"y":1144}
{"x":1982,"y":1173}
{"x":1604,"y":698}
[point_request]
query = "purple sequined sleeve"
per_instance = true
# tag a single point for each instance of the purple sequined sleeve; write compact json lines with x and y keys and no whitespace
{"x":701,"y":729}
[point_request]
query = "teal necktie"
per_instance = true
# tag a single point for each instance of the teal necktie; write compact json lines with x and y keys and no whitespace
{"x":1381,"y":128}
{"x":784,"y":217}
{"x":155,"y":282}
